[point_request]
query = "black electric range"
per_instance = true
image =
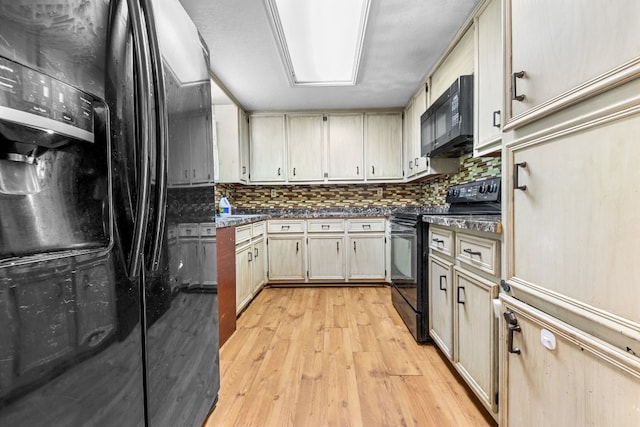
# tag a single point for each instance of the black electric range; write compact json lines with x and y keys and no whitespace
{"x":410,"y":249}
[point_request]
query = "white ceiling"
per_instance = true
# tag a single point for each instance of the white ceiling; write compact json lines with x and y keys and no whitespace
{"x":403,"y":40}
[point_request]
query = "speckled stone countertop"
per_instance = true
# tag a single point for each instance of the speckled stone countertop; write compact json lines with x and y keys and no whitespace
{"x":486,"y":223}
{"x":236,"y":220}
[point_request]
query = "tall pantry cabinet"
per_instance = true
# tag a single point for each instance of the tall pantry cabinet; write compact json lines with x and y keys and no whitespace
{"x":572,"y":116}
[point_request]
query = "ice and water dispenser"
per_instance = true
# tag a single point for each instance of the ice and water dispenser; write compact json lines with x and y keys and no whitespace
{"x":54,"y":165}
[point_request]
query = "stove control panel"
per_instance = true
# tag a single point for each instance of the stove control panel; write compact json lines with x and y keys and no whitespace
{"x":486,"y":190}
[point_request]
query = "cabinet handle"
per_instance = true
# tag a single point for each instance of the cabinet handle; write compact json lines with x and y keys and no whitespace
{"x":472,"y":253}
{"x":186,"y":174}
{"x":458,"y":296}
{"x":278,"y":171}
{"x":366,"y":226}
{"x":297,"y":246}
{"x":338,"y":246}
{"x":410,"y":164}
{"x":354,"y":246}
{"x":516,"y":184}
{"x":244,"y":170}
{"x":496,"y":124}
{"x":437,"y":241}
{"x":250,"y":256}
{"x":415,"y":162}
{"x":514,"y":90}
{"x":357,"y":170}
{"x":294,"y":171}
{"x":325,"y":227}
{"x":255,"y":250}
{"x":194,"y":173}
{"x":204,"y":251}
{"x":441,"y":287}
{"x":60,"y":290}
{"x":512,"y":322}
{"x":284,"y":228}
{"x":373,"y":170}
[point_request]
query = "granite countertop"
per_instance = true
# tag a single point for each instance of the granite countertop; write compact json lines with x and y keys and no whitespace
{"x":237,"y":220}
{"x":486,"y":223}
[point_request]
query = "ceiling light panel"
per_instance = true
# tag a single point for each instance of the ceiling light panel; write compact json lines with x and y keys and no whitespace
{"x":320,"y":40}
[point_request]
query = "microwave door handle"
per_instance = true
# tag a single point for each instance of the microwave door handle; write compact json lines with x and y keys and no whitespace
{"x":143,"y":87}
{"x":162,"y":132}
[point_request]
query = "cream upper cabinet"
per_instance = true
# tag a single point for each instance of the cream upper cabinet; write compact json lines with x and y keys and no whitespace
{"x":179,"y":152}
{"x":488,"y":80}
{"x":577,"y":52}
{"x":305,"y":133}
{"x":201,"y":150}
{"x":267,"y":147}
{"x":553,"y":374}
{"x":345,"y":147}
{"x":413,"y":160}
{"x":233,"y":144}
{"x":383,"y":145}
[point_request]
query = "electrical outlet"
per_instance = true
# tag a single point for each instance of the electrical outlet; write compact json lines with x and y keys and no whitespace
{"x":273,"y":192}
{"x":379,"y":192}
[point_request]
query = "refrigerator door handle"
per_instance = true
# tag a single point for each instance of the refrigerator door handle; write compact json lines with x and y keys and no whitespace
{"x":162,"y":132}
{"x":144,"y":131}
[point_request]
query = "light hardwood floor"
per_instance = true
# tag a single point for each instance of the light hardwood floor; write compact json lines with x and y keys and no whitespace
{"x":335,"y":356}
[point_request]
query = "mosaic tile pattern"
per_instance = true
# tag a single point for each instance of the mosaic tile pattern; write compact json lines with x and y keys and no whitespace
{"x":430,"y":192}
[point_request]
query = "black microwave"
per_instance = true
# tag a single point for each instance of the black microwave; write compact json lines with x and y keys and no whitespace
{"x":446,"y":128}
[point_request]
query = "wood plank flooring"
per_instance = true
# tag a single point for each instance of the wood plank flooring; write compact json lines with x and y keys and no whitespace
{"x":335,"y":356}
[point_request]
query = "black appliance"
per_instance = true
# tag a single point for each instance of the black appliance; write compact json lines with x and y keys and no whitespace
{"x":410,"y":249}
{"x":93,"y":330}
{"x":446,"y":128}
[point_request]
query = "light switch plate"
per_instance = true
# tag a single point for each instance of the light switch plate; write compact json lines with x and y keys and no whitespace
{"x":379,"y":192}
{"x":273,"y":192}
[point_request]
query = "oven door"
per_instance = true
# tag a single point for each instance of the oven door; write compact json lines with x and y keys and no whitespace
{"x":404,"y":257}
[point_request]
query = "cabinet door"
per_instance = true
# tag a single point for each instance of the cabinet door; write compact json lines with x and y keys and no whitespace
{"x":306,"y":155}
{"x":244,"y":257}
{"x":228,"y":143}
{"x":419,"y":107}
{"x":578,"y":201}
{"x":286,"y":258}
{"x":326,"y":257}
{"x":190,"y":261}
{"x":475,"y":345}
{"x":384,"y":146}
{"x":558,"y":63}
{"x":367,"y":257}
{"x":243,"y":134}
{"x":408,"y":146}
{"x":258,"y":265}
{"x":488,"y":80}
{"x":562,"y":376}
{"x":441,"y":292}
{"x":267,"y":148}
{"x":201,"y":149}
{"x":179,"y":152}
{"x":345,"y":147}
{"x":208,"y":263}
{"x":95,"y":297}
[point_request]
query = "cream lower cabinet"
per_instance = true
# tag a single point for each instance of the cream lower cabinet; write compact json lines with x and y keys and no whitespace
{"x":556,"y":375}
{"x":464,"y":269}
{"x":441,"y":292}
{"x":208,"y":255}
{"x":286,"y":251}
{"x":188,"y":244}
{"x":327,"y":250}
{"x":250,"y":263}
{"x":475,"y":345}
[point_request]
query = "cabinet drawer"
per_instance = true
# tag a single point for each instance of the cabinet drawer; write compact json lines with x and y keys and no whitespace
{"x":207,"y":229}
{"x":286,"y":226}
{"x":365,"y":225}
{"x":258,"y":228}
{"x":243,"y":233}
{"x":188,"y":230}
{"x":325,"y":225}
{"x":478,"y":252}
{"x":441,"y":240}
{"x":172,"y":232}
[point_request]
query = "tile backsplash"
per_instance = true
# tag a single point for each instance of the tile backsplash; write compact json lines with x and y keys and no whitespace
{"x":431,"y":192}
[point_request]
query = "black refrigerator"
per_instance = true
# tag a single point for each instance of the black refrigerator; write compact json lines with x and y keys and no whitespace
{"x":96,"y":328}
